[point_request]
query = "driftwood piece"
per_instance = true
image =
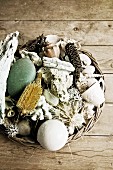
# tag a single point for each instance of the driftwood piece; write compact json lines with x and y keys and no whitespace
{"x":57,"y":63}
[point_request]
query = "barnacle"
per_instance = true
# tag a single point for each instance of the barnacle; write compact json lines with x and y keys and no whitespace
{"x":74,"y":58}
{"x":29,"y":98}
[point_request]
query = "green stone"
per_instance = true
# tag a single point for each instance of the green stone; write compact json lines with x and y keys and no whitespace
{"x":21,"y":74}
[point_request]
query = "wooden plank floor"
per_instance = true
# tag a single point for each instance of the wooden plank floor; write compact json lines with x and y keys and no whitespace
{"x":91,"y":23}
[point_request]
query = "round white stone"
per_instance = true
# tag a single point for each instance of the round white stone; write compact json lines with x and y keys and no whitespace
{"x":52,"y":135}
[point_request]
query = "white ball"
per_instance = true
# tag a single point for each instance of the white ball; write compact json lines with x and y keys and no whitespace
{"x":52,"y":135}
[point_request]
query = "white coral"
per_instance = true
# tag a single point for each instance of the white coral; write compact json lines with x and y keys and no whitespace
{"x":42,"y":111}
{"x":33,"y":56}
{"x":7,"y":49}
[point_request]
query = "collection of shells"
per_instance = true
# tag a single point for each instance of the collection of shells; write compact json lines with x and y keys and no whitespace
{"x":49,"y":89}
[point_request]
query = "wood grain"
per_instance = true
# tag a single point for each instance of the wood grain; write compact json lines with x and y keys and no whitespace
{"x":87,"y":32}
{"x":85,"y":153}
{"x":103,"y":55}
{"x":102,"y":126}
{"x":56,"y":10}
{"x":109,"y":88}
{"x":91,"y":23}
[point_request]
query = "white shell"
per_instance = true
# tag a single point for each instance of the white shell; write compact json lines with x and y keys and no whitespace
{"x":89,"y":70}
{"x":52,"y":135}
{"x":52,"y":39}
{"x":85,"y":59}
{"x":52,"y":51}
{"x":50,"y":98}
{"x":94,"y":95}
{"x":91,"y":81}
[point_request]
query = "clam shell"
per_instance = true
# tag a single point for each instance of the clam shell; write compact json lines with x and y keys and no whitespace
{"x":85,"y":59}
{"x":52,"y":39}
{"x":89,"y":70}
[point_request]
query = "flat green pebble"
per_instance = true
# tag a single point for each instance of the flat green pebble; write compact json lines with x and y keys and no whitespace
{"x":21,"y":74}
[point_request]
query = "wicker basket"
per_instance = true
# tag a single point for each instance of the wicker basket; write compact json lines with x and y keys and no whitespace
{"x":85,"y":128}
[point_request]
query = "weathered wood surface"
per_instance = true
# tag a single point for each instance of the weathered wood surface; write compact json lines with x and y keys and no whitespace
{"x":87,"y":32}
{"x":56,"y":10}
{"x":87,"y":153}
{"x":104,"y":124}
{"x":90,"y":22}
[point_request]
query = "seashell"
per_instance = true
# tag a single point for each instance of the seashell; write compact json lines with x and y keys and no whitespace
{"x":52,"y":135}
{"x":29,"y":98}
{"x":86,"y":61}
{"x":7,"y":50}
{"x":52,"y":51}
{"x":94,"y":95}
{"x":52,"y":39}
{"x":89,"y":70}
{"x":91,"y":81}
{"x":21,"y":74}
{"x":50,"y":98}
{"x":10,"y":113}
{"x":24,"y":128}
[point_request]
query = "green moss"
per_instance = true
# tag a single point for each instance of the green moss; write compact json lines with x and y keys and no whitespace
{"x":21,"y":74}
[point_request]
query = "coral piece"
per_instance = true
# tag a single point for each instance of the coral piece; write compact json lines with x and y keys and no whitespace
{"x":7,"y":51}
{"x":33,"y":57}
